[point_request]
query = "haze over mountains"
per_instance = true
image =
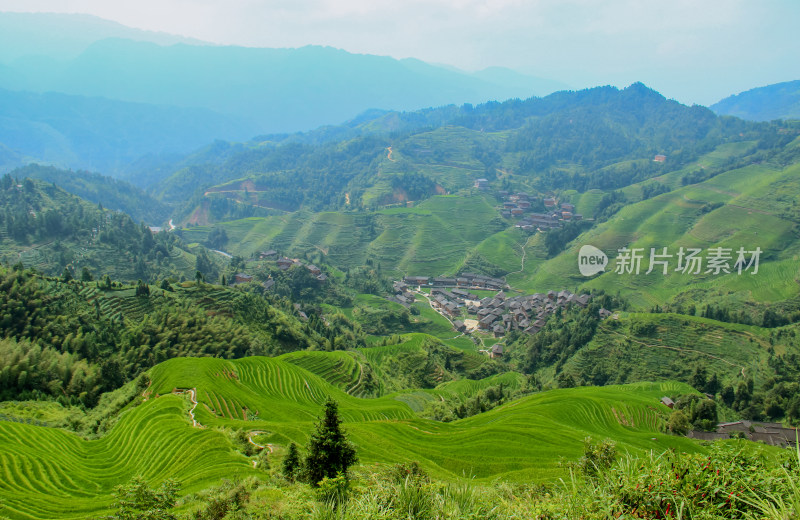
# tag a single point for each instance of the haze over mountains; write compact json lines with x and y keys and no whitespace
{"x":165,"y":95}
{"x":778,"y":101}
{"x":215,"y":91}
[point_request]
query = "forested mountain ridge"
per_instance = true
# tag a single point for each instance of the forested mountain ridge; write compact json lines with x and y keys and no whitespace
{"x":267,"y":86}
{"x":777,"y":101}
{"x":564,"y":140}
{"x":43,"y":226}
{"x":113,"y":194}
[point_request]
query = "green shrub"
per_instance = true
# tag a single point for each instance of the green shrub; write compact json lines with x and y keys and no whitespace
{"x":333,"y":491}
{"x":135,"y":500}
{"x":597,"y":457}
{"x":411,"y":470}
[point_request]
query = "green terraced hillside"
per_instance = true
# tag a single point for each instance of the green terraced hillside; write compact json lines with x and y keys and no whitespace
{"x":753,"y":206}
{"x":520,"y":441}
{"x":283,"y":399}
{"x":432,"y":238}
{"x":673,"y":347}
{"x":50,"y":473}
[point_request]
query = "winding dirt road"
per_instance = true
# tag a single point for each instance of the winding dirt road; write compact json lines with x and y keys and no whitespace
{"x":267,"y":447}
{"x":524,"y":254}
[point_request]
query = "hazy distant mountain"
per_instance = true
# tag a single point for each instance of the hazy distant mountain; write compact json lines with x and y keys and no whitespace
{"x":512,"y":78}
{"x":778,"y":101}
{"x":281,"y":90}
{"x":60,"y":36}
{"x":102,"y":134}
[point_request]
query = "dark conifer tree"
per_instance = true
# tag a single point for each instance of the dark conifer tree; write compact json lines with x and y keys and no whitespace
{"x":329,"y":451}
{"x":292,"y":464}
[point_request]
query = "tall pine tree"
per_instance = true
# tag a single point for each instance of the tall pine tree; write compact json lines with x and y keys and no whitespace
{"x":329,"y":451}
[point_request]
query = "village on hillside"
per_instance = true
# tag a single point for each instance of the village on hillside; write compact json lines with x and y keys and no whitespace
{"x":498,"y":315}
{"x":532,"y":212}
{"x":774,"y":434}
{"x":281,"y":263}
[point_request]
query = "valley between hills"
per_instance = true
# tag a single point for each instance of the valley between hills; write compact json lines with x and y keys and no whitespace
{"x":175,"y":339}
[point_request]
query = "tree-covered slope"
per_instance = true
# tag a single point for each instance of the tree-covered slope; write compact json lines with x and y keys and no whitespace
{"x":44,"y":227}
{"x":562,"y":140}
{"x":74,"y":340}
{"x":111,"y":193}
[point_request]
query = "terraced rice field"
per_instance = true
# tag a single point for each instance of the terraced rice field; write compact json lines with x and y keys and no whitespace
{"x":432,"y":238}
{"x":278,"y":390}
{"x":50,"y":473}
{"x":524,"y":439}
{"x":287,"y":399}
{"x":341,"y":369}
{"x":678,"y":344}
{"x":521,"y":440}
{"x":756,"y":212}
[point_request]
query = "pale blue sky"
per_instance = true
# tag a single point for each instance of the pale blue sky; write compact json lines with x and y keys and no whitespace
{"x":696,"y":51}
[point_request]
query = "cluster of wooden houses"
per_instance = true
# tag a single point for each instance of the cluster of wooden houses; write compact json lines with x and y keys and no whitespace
{"x":285,"y":264}
{"x":520,"y":206}
{"x":526,"y":313}
{"x":774,"y":434}
{"x":402,"y":295}
{"x":499,"y":314}
{"x":463,"y":280}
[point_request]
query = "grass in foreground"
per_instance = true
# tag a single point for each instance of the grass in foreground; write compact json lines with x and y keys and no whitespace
{"x":735,"y":480}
